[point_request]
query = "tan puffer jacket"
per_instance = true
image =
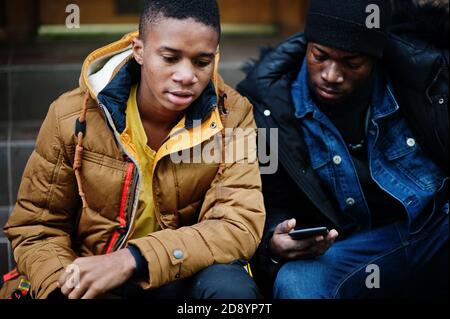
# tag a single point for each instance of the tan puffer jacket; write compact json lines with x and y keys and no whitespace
{"x":210,"y":212}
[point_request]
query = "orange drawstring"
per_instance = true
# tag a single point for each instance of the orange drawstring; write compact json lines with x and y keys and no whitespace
{"x":79,"y":150}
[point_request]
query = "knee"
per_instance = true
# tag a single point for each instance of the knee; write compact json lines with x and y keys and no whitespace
{"x":224,"y":282}
{"x":300,"y":280}
{"x":286,"y":285}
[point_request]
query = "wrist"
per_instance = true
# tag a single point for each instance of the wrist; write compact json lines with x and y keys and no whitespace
{"x":129,"y":262}
{"x":273,"y":257}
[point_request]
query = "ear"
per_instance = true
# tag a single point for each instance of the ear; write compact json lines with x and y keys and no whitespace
{"x":138,"y":50}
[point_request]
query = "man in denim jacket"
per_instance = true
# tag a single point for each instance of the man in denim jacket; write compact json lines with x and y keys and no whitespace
{"x":362,"y":118}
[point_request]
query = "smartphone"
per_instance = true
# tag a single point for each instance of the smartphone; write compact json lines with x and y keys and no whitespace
{"x":308,"y":233}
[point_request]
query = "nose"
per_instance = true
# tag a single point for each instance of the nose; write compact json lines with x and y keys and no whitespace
{"x":185,"y":74}
{"x":332,"y":74}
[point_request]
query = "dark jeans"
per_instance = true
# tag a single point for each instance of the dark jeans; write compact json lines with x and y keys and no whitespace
{"x":408,"y":266}
{"x":220,"y":281}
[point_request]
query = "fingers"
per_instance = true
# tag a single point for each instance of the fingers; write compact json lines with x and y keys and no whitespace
{"x":77,"y":292}
{"x":285,"y":227}
{"x":310,"y":252}
{"x":302,"y":244}
{"x":69,"y":279}
{"x":321,"y":246}
{"x":332,"y":235}
{"x":63,"y":278}
{"x":308,"y":248}
{"x":92,"y":293}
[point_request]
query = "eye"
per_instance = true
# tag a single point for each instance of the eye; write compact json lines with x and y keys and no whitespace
{"x":203,"y":63}
{"x":319,"y":57}
{"x":170,"y":59}
{"x":353,"y":66}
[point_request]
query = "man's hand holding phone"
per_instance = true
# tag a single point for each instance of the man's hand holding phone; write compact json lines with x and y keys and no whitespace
{"x":286,"y":247}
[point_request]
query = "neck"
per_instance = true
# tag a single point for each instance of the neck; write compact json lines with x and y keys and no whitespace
{"x":155,"y":115}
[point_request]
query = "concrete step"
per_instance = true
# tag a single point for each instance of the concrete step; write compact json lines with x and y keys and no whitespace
{"x":6,"y":260}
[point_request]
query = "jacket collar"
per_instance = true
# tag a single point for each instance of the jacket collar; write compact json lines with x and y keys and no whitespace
{"x":301,"y":95}
{"x":384,"y":102}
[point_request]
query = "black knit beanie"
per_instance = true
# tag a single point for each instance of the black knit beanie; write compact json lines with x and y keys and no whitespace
{"x":342,"y":24}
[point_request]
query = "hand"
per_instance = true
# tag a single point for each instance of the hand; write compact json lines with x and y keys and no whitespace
{"x":282,"y":246}
{"x":90,"y":277}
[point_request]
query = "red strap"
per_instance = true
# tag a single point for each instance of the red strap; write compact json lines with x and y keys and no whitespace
{"x":126,"y":187}
{"x":123,"y":203}
{"x":112,"y":242}
{"x":11,"y":275}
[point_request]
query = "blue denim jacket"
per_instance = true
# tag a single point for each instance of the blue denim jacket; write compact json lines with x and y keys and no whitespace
{"x":397,"y":163}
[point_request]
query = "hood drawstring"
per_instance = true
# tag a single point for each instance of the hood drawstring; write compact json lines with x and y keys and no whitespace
{"x":80,"y":132}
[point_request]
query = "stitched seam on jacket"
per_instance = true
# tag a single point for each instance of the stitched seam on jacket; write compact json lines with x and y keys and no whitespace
{"x":206,"y":243}
{"x":57,"y":167}
{"x":177,"y":187}
{"x":63,"y":146}
{"x":55,"y":175}
{"x":76,"y":114}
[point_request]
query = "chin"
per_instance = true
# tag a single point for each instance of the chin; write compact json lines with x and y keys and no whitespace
{"x":176,"y":108}
{"x":323,"y":100}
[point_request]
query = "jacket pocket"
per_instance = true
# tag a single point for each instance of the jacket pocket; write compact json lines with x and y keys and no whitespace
{"x":103,"y":178}
{"x":406,"y":155}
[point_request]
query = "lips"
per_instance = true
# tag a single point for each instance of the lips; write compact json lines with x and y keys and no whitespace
{"x":181,"y":98}
{"x":328,"y":94}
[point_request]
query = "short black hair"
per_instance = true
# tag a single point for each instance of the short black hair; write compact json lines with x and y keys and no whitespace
{"x":203,"y":11}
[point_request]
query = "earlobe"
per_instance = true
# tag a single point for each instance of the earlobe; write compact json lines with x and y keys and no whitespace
{"x":138,"y":51}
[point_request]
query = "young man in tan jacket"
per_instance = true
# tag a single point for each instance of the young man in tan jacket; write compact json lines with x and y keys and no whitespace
{"x":144,"y":190}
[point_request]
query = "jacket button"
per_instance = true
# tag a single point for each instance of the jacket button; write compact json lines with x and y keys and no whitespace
{"x":337,"y":160}
{"x":267,"y":113}
{"x":441,"y":101}
{"x":350,"y":201}
{"x":178,"y":254}
{"x":213,"y":125}
{"x":411,"y":142}
{"x":177,"y":276}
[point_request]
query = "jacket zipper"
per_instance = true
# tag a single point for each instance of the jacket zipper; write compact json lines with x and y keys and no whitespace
{"x":136,"y":189}
{"x":130,"y":206}
{"x":123,"y":202}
